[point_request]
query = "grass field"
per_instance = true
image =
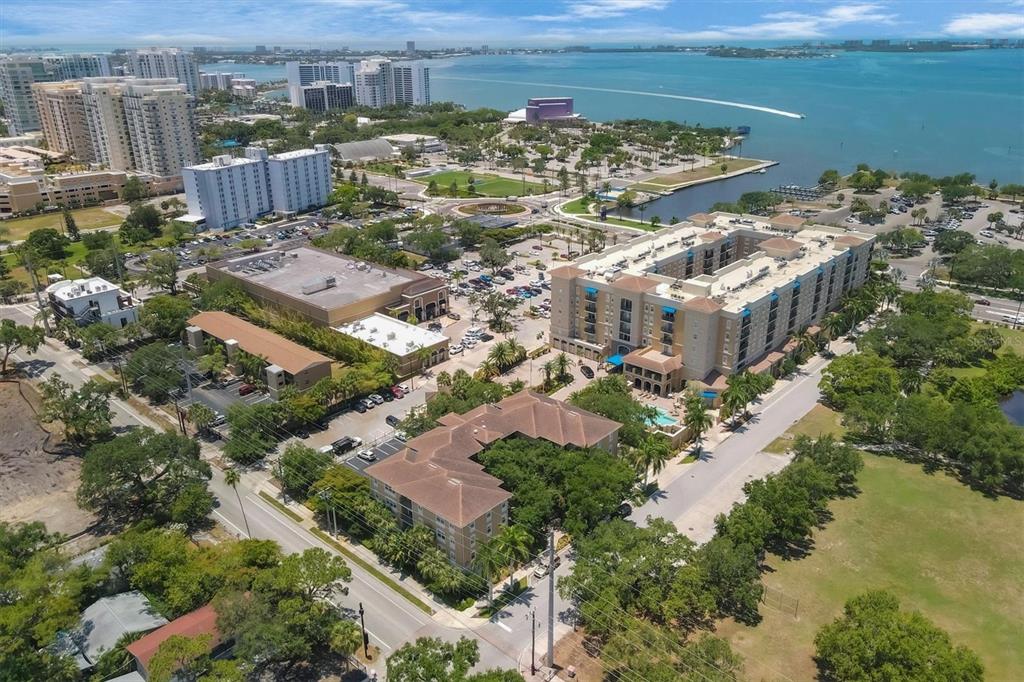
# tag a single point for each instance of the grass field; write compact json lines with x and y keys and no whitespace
{"x":486,"y":185}
{"x":85,"y":219}
{"x":942,"y":548}
{"x":1013,"y":339}
{"x":818,"y":422}
{"x":683,"y":178}
{"x":76,"y":255}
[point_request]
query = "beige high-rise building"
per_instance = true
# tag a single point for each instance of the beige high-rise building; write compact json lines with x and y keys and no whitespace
{"x":104,"y":114}
{"x":61,"y":110}
{"x":161,"y":126}
{"x":705,"y":298}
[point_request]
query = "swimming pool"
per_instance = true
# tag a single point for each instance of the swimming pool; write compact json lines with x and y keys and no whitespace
{"x":663,"y":418}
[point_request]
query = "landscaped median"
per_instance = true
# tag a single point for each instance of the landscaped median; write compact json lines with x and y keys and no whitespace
{"x":673,"y":181}
{"x":350,"y":555}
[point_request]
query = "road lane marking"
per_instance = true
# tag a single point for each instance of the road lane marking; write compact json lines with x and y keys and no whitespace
{"x":502,"y":625}
{"x":227,"y":521}
{"x":370,"y":632}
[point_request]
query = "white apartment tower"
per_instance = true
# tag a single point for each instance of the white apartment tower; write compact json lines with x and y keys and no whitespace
{"x":229,"y":191}
{"x":301,"y":74}
{"x":161,"y":126}
{"x":165,"y":62}
{"x":300,"y":180}
{"x":374,"y":85}
{"x":411,"y":83}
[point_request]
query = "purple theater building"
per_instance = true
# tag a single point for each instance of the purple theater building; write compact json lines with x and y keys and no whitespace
{"x":550,"y":110}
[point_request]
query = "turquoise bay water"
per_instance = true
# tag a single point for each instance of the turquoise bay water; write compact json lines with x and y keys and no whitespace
{"x":938,"y":113}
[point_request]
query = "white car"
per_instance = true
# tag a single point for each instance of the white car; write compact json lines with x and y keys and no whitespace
{"x":987,"y":233}
{"x":455,"y":349}
{"x":468,"y":343}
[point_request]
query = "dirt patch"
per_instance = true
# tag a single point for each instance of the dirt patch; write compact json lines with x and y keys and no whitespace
{"x":38,"y":478}
{"x":574,"y":650}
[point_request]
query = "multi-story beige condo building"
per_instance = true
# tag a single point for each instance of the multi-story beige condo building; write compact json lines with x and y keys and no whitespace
{"x":436,"y":481}
{"x":161,"y":126}
{"x":61,"y":110}
{"x":165,"y":62}
{"x":711,"y":296}
{"x":104,"y":114}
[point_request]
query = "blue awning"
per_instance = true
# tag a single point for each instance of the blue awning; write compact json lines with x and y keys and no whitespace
{"x":709,"y":394}
{"x":689,"y":255}
{"x":796,"y":284}
{"x":667,"y":309}
{"x":591,"y":290}
{"x":821,"y":270}
{"x":775,"y":296}
{"x":745,"y":312}
{"x":614,"y":359}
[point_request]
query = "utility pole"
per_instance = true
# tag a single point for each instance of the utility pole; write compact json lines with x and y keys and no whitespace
{"x":551,"y":598}
{"x":366,"y":639}
{"x":533,"y":642}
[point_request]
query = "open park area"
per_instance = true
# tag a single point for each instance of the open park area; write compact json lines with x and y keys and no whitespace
{"x":940,"y":547}
{"x":85,"y":218}
{"x":673,"y":181}
{"x":484,"y":185}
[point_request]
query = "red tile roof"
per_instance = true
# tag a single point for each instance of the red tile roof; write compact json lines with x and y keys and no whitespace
{"x":275,"y":349}
{"x":202,"y":621}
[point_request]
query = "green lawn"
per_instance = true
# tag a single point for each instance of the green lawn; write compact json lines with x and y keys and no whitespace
{"x":942,"y":548}
{"x":683,"y":178}
{"x":818,"y":422}
{"x":76,"y":255}
{"x":575,"y":207}
{"x":85,"y":219}
{"x":486,"y":185}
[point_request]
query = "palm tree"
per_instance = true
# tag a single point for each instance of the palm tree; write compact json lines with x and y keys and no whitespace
{"x":345,"y":638}
{"x":651,"y":456}
{"x":834,"y":324}
{"x":561,"y":366}
{"x":487,"y":370}
{"x":734,"y":400}
{"x":548,"y":368}
{"x":489,"y":561}
{"x":514,"y":544}
{"x":697,"y":419}
{"x":806,"y":342}
{"x":232,"y":478}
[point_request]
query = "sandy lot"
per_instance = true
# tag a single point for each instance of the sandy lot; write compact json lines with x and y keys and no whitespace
{"x":37,"y":481}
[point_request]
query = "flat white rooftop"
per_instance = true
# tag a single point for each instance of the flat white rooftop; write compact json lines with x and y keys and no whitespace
{"x":70,"y":289}
{"x":296,"y":154}
{"x":390,"y":334}
{"x":409,"y":137}
{"x":224,"y":161}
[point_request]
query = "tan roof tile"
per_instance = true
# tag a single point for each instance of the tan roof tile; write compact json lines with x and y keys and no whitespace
{"x":438,"y":471}
{"x":275,"y":349}
{"x":702,"y":304}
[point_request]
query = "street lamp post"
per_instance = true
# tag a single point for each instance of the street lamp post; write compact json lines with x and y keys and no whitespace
{"x":366,"y":639}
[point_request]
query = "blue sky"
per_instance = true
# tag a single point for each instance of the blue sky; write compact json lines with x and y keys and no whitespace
{"x":388,"y":23}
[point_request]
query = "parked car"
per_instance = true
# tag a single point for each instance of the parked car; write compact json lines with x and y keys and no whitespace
{"x":359,"y":407}
{"x":455,"y":349}
{"x":346,"y":443}
{"x":368,"y":403}
{"x":388,"y":396}
{"x":376,"y":398}
{"x":392,"y":421}
{"x":454,"y":316}
{"x":486,"y":337}
{"x":367,"y":455}
{"x":246,"y":389}
{"x":397,"y":392}
{"x":587,"y":372}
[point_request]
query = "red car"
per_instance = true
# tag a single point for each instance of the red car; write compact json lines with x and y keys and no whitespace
{"x":246,"y":389}
{"x":397,"y":392}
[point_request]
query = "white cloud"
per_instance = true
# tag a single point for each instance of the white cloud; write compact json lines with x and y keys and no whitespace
{"x":606,"y":9}
{"x":990,"y":24}
{"x":785,"y":24}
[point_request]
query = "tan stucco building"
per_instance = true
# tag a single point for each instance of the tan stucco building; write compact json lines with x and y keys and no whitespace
{"x":437,"y":482}
{"x":714,"y":295}
{"x":330,"y":289}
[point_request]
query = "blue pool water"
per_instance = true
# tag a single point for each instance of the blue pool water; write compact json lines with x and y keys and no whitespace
{"x":665,"y":419}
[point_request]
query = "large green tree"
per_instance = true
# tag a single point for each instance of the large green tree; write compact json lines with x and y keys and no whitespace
{"x":85,"y":412}
{"x":431,"y":659}
{"x":165,"y":316}
{"x":146,"y":474}
{"x":155,"y":370}
{"x":14,"y":337}
{"x":875,"y":640}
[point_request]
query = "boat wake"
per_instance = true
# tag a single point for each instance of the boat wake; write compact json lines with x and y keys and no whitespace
{"x":703,"y":100}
